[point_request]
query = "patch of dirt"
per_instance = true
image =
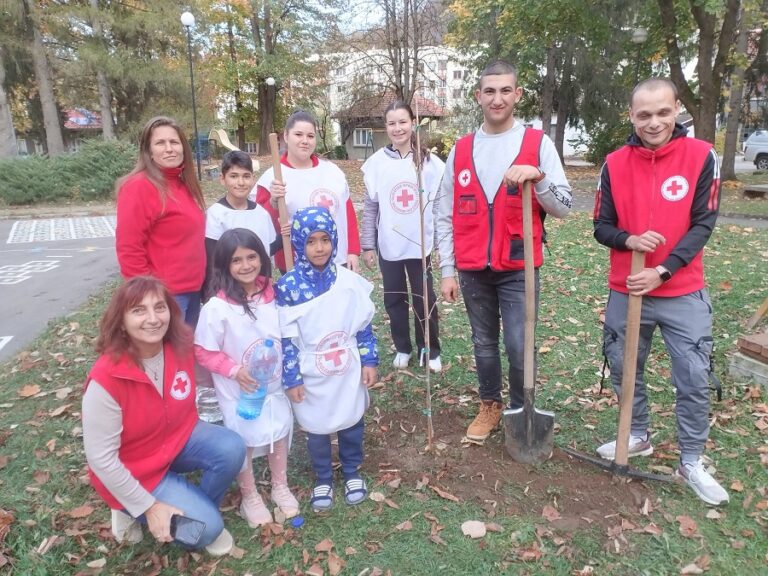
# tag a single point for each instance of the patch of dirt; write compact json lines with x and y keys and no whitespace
{"x":488,"y":477}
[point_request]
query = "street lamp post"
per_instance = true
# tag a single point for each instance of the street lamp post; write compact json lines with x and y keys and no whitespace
{"x":639,"y":36}
{"x":188,"y":20}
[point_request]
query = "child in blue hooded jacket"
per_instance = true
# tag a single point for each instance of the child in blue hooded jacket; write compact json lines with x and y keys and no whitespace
{"x":329,"y":352}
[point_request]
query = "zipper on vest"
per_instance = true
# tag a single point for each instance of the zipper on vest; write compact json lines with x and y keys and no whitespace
{"x":490,"y":229}
{"x":652,"y":199}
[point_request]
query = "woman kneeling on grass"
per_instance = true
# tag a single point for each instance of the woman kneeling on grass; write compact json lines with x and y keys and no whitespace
{"x":140,"y":426}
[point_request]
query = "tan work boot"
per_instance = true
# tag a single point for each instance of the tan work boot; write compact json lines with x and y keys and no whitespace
{"x":486,"y":420}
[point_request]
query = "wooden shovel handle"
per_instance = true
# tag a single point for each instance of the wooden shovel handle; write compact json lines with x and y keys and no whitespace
{"x":629,"y":369}
{"x":282,"y":211}
{"x":530,"y":288}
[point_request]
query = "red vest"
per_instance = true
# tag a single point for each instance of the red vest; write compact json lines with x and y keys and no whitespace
{"x":492,"y":235}
{"x":155,"y":429}
{"x":654,"y":190}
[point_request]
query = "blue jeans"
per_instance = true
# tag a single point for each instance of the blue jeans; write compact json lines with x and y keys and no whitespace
{"x":189,"y":302}
{"x":488,"y":296}
{"x":219,"y":453}
{"x":350,"y":452}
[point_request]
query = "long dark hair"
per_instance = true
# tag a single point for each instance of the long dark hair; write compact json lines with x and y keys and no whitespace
{"x":145,"y":164}
{"x":400,"y":105}
{"x":222,"y":280}
{"x":113,"y":339}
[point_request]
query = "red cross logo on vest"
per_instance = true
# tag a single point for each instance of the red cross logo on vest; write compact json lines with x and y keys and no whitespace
{"x":464,"y":177}
{"x":181,"y":387}
{"x":325,"y":198}
{"x":333,"y":356}
{"x":404,"y":197}
{"x":674,"y":188}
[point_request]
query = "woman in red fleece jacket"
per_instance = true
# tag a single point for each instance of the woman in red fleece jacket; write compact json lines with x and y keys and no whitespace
{"x":161,"y":216}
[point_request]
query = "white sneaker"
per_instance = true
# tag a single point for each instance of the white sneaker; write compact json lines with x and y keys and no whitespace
{"x":401,"y":360}
{"x":436,"y":365}
{"x":638,"y":446}
{"x":125,"y":528}
{"x":706,"y":487}
{"x":222,"y":545}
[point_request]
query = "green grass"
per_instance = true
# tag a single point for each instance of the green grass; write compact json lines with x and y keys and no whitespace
{"x":43,"y":473}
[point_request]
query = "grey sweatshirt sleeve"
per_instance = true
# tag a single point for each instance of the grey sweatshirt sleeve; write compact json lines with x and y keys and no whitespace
{"x":553,"y":192}
{"x":102,"y":426}
{"x":370,"y":222}
{"x":443,"y":215}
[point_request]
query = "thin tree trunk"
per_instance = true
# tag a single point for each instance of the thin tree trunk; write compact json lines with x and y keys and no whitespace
{"x":8,"y":146}
{"x":238,"y":96}
{"x":105,"y":94}
{"x":51,"y":121}
{"x":728,"y":169}
{"x":548,"y":92}
{"x":564,"y":102}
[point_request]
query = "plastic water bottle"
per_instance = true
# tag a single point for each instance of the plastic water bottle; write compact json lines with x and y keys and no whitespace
{"x":261,"y":367}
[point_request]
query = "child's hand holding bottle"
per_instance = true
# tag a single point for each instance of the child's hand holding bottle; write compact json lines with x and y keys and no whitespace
{"x":247,"y":383}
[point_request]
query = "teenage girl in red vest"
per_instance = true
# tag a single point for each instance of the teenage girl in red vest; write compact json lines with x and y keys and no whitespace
{"x":140,"y":426}
{"x":309,"y":181}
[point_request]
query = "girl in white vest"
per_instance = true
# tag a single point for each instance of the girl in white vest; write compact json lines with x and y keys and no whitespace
{"x":329,"y":353}
{"x":392,"y":224}
{"x":240,"y":316}
{"x":310,"y":181}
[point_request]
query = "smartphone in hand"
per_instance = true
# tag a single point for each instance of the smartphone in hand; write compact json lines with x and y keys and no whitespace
{"x":185,"y":530}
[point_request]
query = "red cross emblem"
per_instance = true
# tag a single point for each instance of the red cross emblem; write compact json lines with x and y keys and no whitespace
{"x":674,"y":188}
{"x":464,"y":177}
{"x":332,"y":355}
{"x":182,"y":385}
{"x":325,"y":198}
{"x":403,"y":196}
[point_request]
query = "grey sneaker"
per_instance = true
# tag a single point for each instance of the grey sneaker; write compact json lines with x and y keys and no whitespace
{"x":702,"y":482}
{"x":126,"y":528}
{"x":638,"y":446}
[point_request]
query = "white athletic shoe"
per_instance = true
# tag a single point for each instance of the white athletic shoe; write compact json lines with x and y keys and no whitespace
{"x":436,"y":365}
{"x":222,"y":545}
{"x":638,"y":446}
{"x":401,"y":360}
{"x":702,"y":482}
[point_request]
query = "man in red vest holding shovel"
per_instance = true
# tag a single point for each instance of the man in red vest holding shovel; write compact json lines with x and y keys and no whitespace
{"x":659,"y":194}
{"x":479,"y":232}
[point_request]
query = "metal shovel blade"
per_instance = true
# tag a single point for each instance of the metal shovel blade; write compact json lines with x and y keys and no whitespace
{"x":529,"y":435}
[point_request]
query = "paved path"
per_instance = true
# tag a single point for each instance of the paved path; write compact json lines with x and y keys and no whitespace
{"x":48,"y":268}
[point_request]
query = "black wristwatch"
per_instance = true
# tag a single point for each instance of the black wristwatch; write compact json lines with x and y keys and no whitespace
{"x":664,"y":274}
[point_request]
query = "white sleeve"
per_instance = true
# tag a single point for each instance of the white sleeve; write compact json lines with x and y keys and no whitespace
{"x":443,"y":213}
{"x":553,"y":193}
{"x":102,"y":428}
{"x":213,"y":225}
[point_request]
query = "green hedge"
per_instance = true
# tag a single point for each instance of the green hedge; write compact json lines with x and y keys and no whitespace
{"x":88,"y":174}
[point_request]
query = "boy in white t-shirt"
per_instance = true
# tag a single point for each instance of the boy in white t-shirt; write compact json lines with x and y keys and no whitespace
{"x":235,"y":210}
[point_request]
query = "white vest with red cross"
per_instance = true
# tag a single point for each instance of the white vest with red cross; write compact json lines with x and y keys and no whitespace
{"x":491,"y":235}
{"x":393,"y":184}
{"x":322,"y":185}
{"x":224,"y":326}
{"x":329,"y":361}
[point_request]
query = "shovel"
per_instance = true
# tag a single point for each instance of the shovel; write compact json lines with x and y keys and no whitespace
{"x":529,"y":432}
{"x":619,"y":465}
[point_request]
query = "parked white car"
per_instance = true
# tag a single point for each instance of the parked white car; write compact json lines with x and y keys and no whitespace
{"x":756,"y":149}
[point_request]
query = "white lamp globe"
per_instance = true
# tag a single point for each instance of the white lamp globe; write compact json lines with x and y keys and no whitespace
{"x":270,"y":81}
{"x":188,"y":19}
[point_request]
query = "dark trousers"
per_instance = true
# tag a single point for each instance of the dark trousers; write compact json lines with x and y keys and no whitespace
{"x":350,"y":452}
{"x":488,"y":296}
{"x":398,"y":309}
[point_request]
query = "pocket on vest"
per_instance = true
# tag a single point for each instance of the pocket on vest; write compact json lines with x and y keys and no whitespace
{"x":467,"y":204}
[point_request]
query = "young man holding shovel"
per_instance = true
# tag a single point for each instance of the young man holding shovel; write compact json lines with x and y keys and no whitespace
{"x":659,"y":195}
{"x":478,"y":228}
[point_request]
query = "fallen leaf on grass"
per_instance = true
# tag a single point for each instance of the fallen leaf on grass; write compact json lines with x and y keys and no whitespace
{"x":100,"y":563}
{"x":62,"y":393}
{"x":3,"y":462}
{"x":443,"y":494}
{"x":493,"y":527}
{"x":698,"y":566}
{"x":391,"y":504}
{"x":531,"y":554}
{"x":473,"y":529}
{"x":437,"y":539}
{"x":41,"y":476}
{"x":324,"y":546}
{"x":404,"y":526}
{"x":29,"y":390}
{"x":688,"y":526}
{"x":237,"y":553}
{"x":737,"y":486}
{"x":714,"y":514}
{"x":550,"y":513}
{"x":6,"y":520}
{"x":335,"y":564}
{"x":81,"y":511}
{"x":315,"y":570}
{"x":653,"y":529}
{"x":377,"y":496}
{"x":349,"y":551}
{"x":59,"y":411}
